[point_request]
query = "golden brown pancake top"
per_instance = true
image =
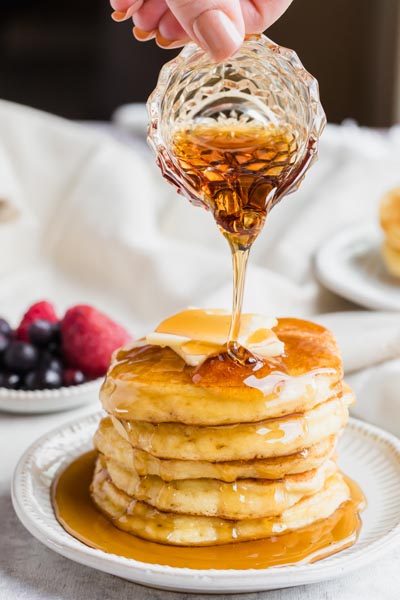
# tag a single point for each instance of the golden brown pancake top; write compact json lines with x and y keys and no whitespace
{"x":308,"y":347}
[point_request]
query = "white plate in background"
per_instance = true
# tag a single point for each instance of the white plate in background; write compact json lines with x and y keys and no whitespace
{"x":367,"y":454}
{"x":49,"y":401}
{"x":350,"y":264}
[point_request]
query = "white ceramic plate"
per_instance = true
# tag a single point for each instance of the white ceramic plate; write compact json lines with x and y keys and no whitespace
{"x":350,"y":264}
{"x":49,"y":401}
{"x":367,"y":454}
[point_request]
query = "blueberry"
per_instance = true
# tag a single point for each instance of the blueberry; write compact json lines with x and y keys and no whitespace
{"x":31,"y":381}
{"x":74,"y":377}
{"x":5,"y":328}
{"x":21,"y":357}
{"x":12,"y":381}
{"x":54,"y":349}
{"x":4,"y":343}
{"x":41,"y":333}
{"x":49,"y":379}
{"x":49,"y":361}
{"x":57,"y":333}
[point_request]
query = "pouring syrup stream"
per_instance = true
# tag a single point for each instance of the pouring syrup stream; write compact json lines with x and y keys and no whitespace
{"x":237,"y":168}
{"x":240,"y":259}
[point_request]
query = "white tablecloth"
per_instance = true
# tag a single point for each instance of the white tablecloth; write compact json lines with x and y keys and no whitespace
{"x":29,"y":571}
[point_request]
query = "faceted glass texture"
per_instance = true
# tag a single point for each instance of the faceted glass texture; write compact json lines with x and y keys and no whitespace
{"x":262,"y":84}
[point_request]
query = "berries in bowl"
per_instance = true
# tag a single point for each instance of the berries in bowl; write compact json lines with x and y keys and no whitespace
{"x":49,"y":363}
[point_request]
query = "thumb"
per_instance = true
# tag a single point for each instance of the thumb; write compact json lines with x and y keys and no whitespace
{"x":216,"y":25}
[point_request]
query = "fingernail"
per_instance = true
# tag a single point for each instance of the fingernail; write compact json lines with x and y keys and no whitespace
{"x":144,"y":36}
{"x":120,"y":16}
{"x":217,"y":34}
{"x":162,"y":42}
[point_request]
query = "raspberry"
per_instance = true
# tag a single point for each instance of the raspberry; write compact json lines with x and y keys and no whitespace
{"x":40,"y":310}
{"x":89,"y":338}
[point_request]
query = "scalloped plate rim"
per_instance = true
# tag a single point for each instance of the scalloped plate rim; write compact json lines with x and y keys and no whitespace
{"x":32,"y":402}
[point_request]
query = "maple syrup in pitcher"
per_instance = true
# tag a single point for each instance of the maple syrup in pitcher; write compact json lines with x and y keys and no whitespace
{"x":235,"y":137}
{"x":239,"y":170}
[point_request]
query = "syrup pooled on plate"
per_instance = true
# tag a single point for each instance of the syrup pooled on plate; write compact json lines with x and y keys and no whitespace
{"x":79,"y":516}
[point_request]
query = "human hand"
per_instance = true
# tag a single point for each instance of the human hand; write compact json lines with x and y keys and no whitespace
{"x":218,"y":26}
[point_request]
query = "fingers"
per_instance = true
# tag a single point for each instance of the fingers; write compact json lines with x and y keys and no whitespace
{"x":275,"y":8}
{"x":161,"y":41}
{"x":170,"y":32}
{"x":166,"y":44}
{"x":155,"y":20}
{"x":125,"y":9}
{"x":152,"y":19}
{"x":258,"y":15}
{"x":150,"y":14}
{"x":121,"y":5}
{"x":216,"y":25}
{"x":144,"y":36}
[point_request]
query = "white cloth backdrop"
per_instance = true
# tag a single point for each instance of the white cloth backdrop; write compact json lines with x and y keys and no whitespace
{"x":85,"y":218}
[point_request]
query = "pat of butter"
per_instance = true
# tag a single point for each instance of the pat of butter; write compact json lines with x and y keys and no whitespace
{"x":196,"y":334}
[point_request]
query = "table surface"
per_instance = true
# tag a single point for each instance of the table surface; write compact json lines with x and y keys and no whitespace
{"x":29,"y":571}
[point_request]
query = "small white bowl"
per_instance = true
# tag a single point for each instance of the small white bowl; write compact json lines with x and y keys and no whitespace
{"x":48,"y":401}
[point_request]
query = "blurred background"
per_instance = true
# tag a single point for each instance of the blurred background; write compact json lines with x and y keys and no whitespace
{"x":71,"y":59}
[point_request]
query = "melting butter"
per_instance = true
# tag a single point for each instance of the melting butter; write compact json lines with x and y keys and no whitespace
{"x":195,"y":334}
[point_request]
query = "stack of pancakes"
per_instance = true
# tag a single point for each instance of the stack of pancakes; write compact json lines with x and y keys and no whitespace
{"x":390,"y":222}
{"x":222,"y":453}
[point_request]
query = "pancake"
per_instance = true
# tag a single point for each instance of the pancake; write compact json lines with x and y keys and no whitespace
{"x":109,"y":442}
{"x":155,"y":385}
{"x":246,"y":499}
{"x":248,"y":441}
{"x":390,"y":218}
{"x":142,"y":520}
{"x":391,"y":257}
{"x":209,"y":451}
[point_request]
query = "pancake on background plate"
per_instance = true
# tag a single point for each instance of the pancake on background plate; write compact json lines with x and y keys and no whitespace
{"x":390,"y":223}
